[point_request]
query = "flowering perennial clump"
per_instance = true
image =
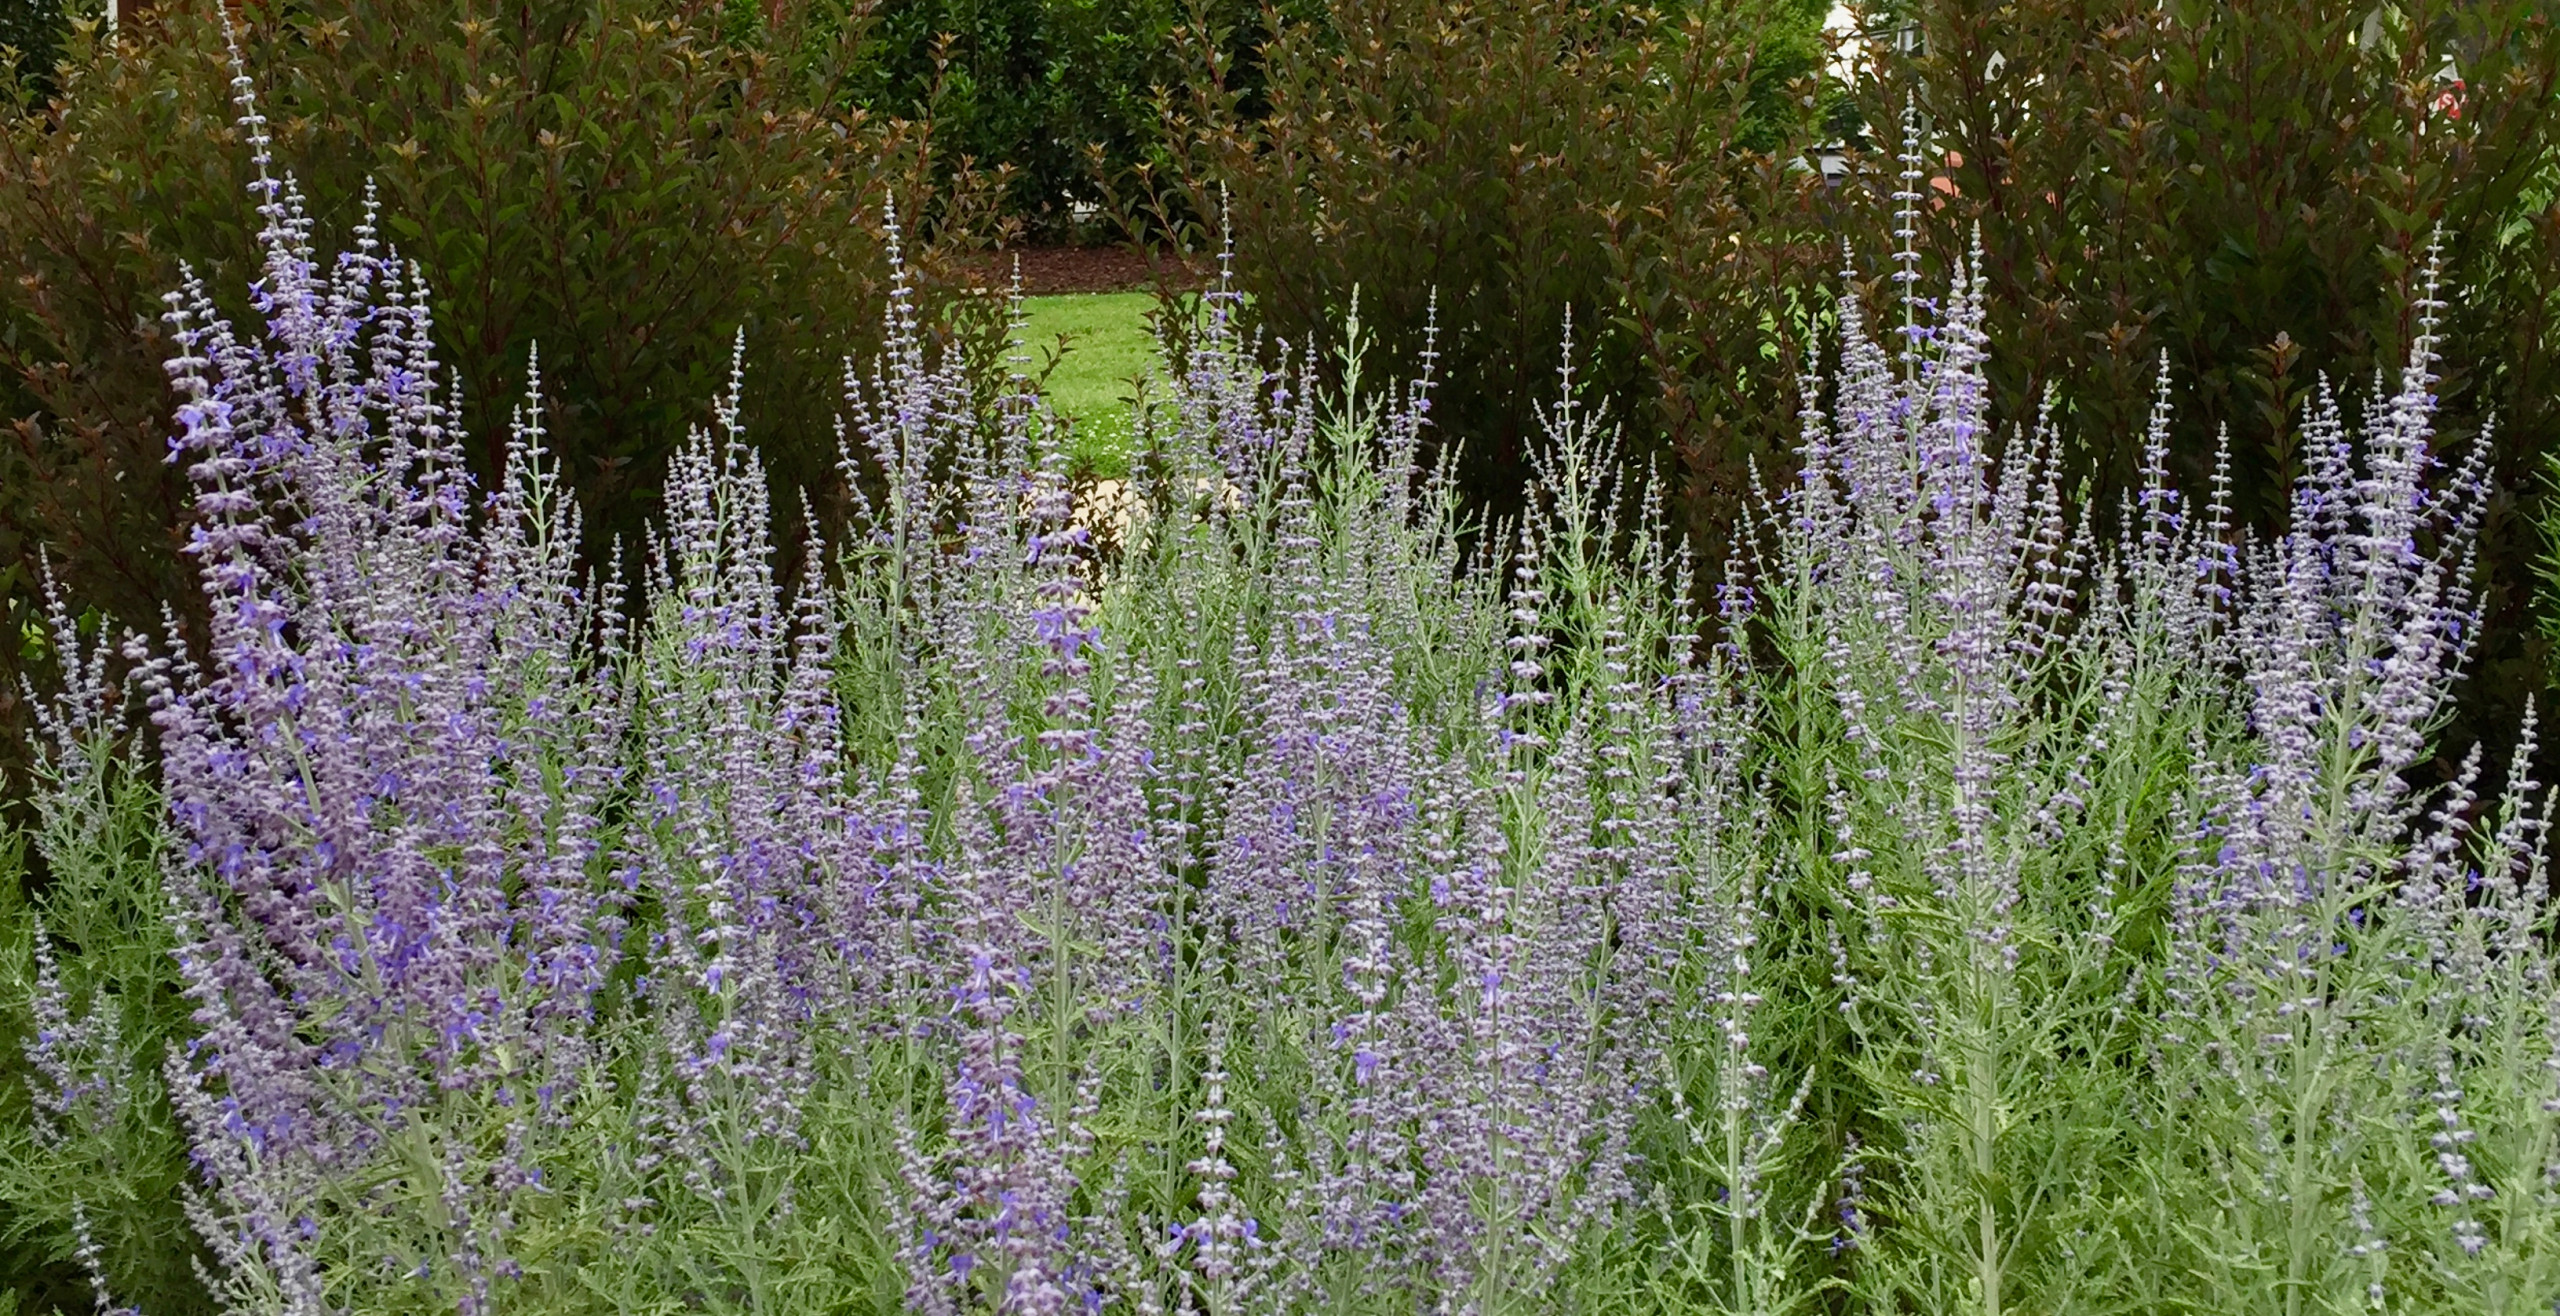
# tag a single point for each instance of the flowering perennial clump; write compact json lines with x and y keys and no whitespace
{"x":1288,"y":897}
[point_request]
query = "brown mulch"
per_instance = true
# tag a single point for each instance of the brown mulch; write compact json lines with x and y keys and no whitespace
{"x":1047,"y":271}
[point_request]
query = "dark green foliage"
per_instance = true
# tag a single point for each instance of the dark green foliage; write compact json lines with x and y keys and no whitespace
{"x":2548,"y":617}
{"x":1037,"y":89}
{"x":33,"y":30}
{"x":978,"y":69}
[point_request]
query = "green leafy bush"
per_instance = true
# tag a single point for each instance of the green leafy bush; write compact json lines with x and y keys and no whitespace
{"x":1056,"y":96}
{"x":979,"y":69}
{"x":32,"y":29}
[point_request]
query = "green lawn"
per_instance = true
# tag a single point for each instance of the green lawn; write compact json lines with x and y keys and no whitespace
{"x":1109,"y":346}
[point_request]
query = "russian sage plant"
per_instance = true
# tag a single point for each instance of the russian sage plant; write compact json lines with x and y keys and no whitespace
{"x":386,"y":775}
{"x":96,"y":1159}
{"x":1286,"y":895}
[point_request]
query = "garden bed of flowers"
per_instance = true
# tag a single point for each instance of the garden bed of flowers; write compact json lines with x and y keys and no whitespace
{"x":1299,"y":899}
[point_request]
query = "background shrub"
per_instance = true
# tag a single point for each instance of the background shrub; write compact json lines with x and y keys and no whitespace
{"x":1056,"y":96}
{"x":33,"y":29}
{"x":627,"y":184}
{"x":1018,"y":86}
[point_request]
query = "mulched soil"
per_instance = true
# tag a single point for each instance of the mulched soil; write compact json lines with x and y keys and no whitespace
{"x":1047,"y":271}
